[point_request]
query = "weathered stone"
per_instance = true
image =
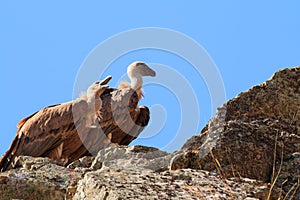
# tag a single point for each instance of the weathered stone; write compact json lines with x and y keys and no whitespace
{"x":51,"y":181}
{"x":84,"y":162}
{"x":179,"y":184}
{"x":132,"y":158}
{"x":28,"y":162}
{"x":278,"y":98}
{"x":240,"y":140}
{"x":48,"y":181}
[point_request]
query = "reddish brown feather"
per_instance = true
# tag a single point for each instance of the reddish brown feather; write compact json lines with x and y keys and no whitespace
{"x":51,"y":132}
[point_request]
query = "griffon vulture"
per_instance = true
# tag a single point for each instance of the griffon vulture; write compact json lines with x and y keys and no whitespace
{"x":68,"y":131}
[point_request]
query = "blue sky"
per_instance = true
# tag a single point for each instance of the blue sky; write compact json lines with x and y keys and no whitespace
{"x":43,"y":46}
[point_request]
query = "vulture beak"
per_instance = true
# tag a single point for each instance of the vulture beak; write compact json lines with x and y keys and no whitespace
{"x":105,"y":81}
{"x":147,"y":71}
{"x":98,"y":87}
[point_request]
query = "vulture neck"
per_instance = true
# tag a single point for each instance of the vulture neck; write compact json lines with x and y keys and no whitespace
{"x":136,"y":83}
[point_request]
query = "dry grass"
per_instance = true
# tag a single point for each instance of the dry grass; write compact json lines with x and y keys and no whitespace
{"x":292,"y":191}
{"x":222,"y":174}
{"x":275,"y":175}
{"x":296,"y":186}
{"x":276,"y":172}
{"x":274,"y":178}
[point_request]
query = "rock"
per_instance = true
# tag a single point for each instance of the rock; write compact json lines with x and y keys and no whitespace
{"x":180,"y":184}
{"x":252,"y":134}
{"x":48,"y":181}
{"x":51,"y":181}
{"x":28,"y":162}
{"x":278,"y":97}
{"x":136,"y":158}
{"x":84,"y":162}
{"x":132,"y":178}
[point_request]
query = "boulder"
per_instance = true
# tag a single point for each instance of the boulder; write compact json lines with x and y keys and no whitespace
{"x":255,"y":135}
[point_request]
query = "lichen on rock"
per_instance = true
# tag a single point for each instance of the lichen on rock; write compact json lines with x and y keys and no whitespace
{"x":253,"y":135}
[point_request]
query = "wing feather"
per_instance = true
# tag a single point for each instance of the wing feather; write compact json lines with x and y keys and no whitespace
{"x":61,"y":133}
{"x":122,"y":118}
{"x":43,"y":132}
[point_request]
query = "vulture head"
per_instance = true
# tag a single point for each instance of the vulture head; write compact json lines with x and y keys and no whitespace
{"x":94,"y":92}
{"x":97,"y":88}
{"x":135,"y":72}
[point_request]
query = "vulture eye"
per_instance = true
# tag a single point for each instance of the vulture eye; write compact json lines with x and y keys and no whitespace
{"x":97,"y":82}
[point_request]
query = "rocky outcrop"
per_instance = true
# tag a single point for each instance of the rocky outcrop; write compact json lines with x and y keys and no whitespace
{"x":249,"y":150}
{"x":255,"y":135}
{"x":181,"y":184}
{"x":128,"y":173}
{"x":38,"y":178}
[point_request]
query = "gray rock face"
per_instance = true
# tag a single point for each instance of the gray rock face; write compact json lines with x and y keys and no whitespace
{"x":180,"y":184}
{"x":254,"y":135}
{"x":136,"y":175}
{"x":46,"y":181}
{"x":136,"y":158}
{"x":249,"y":150}
{"x":50,"y":181}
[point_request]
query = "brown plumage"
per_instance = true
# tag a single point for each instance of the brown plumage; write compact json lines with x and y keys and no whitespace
{"x":68,"y":131}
